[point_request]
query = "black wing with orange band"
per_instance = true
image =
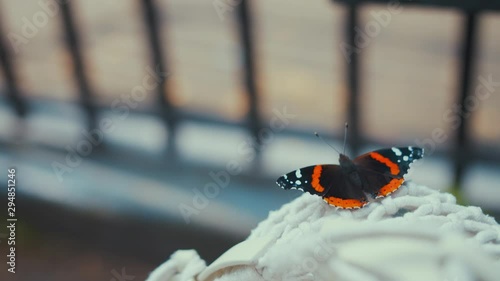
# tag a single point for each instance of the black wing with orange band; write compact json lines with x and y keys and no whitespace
{"x":383,"y":170}
{"x":327,"y":181}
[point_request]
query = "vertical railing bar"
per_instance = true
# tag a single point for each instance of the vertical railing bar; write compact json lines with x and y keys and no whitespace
{"x":79,"y":69}
{"x":247,"y":41}
{"x":167,"y":111}
{"x":353,"y":113}
{"x":462,"y":150}
{"x":11,"y":80}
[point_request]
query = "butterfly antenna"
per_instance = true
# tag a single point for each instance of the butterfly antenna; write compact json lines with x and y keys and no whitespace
{"x":345,"y":135}
{"x":319,"y":137}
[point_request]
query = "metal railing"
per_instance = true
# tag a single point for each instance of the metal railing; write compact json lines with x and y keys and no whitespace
{"x":171,"y":116}
{"x":463,"y":154}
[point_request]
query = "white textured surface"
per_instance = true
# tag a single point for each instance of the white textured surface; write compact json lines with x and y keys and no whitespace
{"x":415,"y":234}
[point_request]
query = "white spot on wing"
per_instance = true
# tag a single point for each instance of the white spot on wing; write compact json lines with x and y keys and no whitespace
{"x":298,"y":182}
{"x":397,"y":151}
{"x":298,"y":174}
{"x":405,"y":158}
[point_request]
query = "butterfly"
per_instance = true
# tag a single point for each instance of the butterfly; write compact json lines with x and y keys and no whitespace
{"x":378,"y":173}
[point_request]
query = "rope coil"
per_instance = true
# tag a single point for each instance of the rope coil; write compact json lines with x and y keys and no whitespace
{"x":391,"y":239}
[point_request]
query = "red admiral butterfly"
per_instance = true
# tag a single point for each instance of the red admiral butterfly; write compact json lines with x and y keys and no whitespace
{"x":379,"y":173}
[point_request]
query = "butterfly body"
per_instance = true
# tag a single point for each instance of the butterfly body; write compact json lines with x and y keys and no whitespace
{"x":378,"y":173}
{"x":350,"y":170}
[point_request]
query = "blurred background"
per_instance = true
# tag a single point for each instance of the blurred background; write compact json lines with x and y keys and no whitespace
{"x":140,"y":127}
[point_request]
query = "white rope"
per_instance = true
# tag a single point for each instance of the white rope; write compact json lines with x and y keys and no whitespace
{"x":411,"y":205}
{"x":311,"y":240}
{"x":183,"y":265}
{"x":416,"y":202}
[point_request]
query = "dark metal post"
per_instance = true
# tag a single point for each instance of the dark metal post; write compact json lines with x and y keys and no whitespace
{"x":167,"y":111}
{"x":79,"y":69}
{"x":11,"y":80}
{"x":353,"y":82}
{"x":244,"y":18}
{"x":462,"y":149}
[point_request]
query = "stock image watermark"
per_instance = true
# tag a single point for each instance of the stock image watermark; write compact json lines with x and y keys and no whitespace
{"x":120,"y":107}
{"x":222,"y":7}
{"x":485,"y":87}
{"x":308,"y":252}
{"x":31,"y":26}
{"x":221,"y":179}
{"x":320,"y":253}
{"x":11,"y":220}
{"x":363,"y":37}
{"x":121,"y":276}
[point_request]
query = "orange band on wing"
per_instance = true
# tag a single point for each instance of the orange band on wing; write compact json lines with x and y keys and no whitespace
{"x":389,"y":188}
{"x":345,"y":203}
{"x":315,"y":179}
{"x":393,"y":166}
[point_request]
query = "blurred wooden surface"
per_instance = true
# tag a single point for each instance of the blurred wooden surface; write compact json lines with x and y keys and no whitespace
{"x":409,"y":67}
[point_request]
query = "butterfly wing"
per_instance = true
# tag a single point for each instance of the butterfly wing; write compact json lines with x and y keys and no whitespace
{"x":327,"y":181}
{"x":312,"y":179}
{"x":344,"y":194}
{"x":383,"y":170}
